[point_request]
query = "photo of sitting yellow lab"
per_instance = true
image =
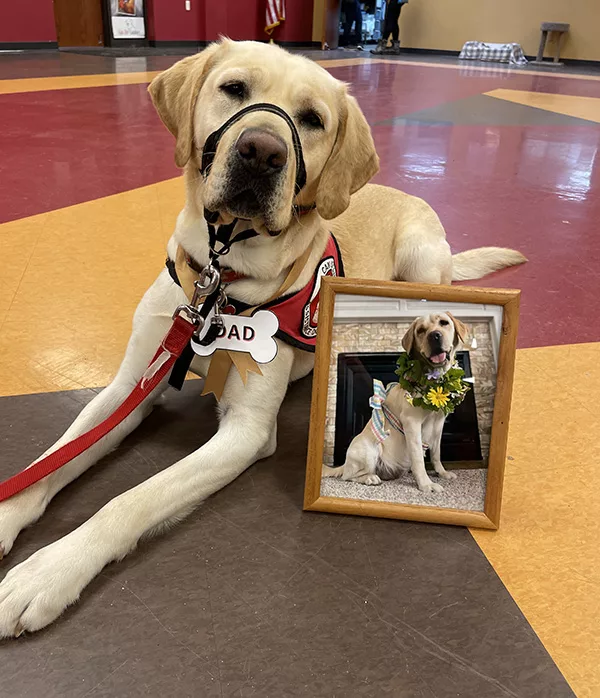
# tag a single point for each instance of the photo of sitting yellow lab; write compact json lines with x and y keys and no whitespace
{"x":408,"y":416}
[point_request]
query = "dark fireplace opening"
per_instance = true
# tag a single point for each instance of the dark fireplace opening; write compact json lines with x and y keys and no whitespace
{"x":356,"y":371}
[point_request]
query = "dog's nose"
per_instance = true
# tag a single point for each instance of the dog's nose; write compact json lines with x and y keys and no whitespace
{"x":436,"y":336}
{"x":262,"y":153}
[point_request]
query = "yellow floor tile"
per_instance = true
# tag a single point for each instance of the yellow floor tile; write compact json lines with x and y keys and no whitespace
{"x":79,"y":310}
{"x":342,"y":62}
{"x":580,"y":107}
{"x":17,"y":242}
{"x":546,"y":551}
{"x":470,"y":67}
{"x":70,"y":82}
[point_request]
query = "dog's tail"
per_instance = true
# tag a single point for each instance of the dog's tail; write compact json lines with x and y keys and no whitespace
{"x":333,"y":472}
{"x":473,"y":264}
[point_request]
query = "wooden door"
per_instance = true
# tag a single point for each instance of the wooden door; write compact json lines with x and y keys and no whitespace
{"x":79,"y":23}
{"x":331,"y":24}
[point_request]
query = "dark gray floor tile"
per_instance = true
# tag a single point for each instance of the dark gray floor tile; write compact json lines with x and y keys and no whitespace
{"x":486,"y":110}
{"x":252,"y":597}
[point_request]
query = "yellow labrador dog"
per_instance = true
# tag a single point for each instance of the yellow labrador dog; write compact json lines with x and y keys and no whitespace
{"x":433,"y":340}
{"x":253,"y":176}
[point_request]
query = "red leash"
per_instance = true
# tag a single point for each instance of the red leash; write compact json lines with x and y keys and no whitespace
{"x":172,"y":345}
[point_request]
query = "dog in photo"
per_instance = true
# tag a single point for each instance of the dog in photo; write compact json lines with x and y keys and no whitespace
{"x":382,"y":451}
{"x":252,"y":178}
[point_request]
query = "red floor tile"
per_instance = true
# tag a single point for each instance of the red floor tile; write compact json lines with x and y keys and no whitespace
{"x":535,"y":187}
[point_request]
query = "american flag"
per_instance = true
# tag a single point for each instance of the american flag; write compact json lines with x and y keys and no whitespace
{"x":275,"y":14}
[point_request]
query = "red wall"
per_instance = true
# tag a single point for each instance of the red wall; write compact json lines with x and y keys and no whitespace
{"x":168,"y":20}
{"x":298,"y":23}
{"x":27,"y":20}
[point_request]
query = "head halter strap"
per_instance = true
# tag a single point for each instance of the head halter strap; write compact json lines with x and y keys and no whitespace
{"x":210,"y":147}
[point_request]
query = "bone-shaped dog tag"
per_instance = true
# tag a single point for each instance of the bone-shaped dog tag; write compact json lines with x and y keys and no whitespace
{"x":253,"y":335}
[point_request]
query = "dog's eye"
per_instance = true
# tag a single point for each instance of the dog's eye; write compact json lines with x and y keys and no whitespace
{"x":444,"y":323}
{"x":311,"y":119}
{"x":234,"y":89}
{"x":421,"y":330}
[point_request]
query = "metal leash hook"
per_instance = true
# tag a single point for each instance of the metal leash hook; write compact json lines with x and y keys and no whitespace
{"x":207,"y":284}
{"x":216,"y":322}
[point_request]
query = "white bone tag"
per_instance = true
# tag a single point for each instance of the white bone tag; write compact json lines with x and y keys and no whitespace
{"x":253,"y":335}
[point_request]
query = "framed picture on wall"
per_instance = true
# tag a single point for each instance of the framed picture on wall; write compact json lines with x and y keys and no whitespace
{"x":411,"y":401}
{"x":127,"y":19}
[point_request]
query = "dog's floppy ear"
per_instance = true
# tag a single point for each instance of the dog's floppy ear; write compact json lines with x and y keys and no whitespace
{"x":460,"y":329}
{"x":174,"y":94}
{"x":409,"y":338}
{"x":352,"y":163}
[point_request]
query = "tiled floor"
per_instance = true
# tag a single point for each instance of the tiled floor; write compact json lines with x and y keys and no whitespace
{"x":250,"y":596}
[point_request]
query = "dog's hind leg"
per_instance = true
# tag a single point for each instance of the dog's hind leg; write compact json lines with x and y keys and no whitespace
{"x":332,"y":472}
{"x":362,"y":458}
{"x":38,"y":590}
{"x":422,"y":257}
{"x":151,"y":323}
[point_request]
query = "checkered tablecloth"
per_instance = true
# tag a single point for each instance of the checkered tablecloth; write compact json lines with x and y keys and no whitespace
{"x":501,"y":53}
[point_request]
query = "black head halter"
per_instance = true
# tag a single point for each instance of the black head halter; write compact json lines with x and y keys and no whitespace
{"x":212,"y":142}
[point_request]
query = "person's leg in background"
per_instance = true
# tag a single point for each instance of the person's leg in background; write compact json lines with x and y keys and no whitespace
{"x":390,"y":26}
{"x":348,"y":9}
{"x":353,"y":15}
{"x":394,"y":27}
{"x":358,"y":24}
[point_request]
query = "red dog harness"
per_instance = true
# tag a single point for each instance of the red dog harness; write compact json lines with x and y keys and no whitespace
{"x":297,"y":312}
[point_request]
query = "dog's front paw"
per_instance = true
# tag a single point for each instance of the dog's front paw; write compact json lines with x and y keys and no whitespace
{"x":37,"y":591}
{"x":429,"y":487}
{"x":447,"y":475}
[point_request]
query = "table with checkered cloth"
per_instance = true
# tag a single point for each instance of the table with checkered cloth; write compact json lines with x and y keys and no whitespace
{"x":501,"y":53}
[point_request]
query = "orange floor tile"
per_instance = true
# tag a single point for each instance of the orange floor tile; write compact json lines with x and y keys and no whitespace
{"x":579,"y":107}
{"x":71,"y":82}
{"x":79,"y":315}
{"x":546,"y":551}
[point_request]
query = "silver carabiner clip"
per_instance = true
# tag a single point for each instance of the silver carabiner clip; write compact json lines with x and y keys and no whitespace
{"x":207,"y":283}
{"x":209,"y":279}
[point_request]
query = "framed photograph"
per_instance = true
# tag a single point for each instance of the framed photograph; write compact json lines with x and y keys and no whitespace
{"x":127,"y":19}
{"x":411,"y":401}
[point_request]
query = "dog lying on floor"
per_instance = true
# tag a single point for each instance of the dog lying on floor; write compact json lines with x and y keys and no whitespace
{"x":253,"y":177}
{"x":392,"y":440}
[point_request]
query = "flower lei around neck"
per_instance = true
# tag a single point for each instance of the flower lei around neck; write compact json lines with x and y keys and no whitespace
{"x":431,"y":389}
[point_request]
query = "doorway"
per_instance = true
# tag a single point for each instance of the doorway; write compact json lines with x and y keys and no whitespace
{"x":79,"y":23}
{"x":334,"y":24}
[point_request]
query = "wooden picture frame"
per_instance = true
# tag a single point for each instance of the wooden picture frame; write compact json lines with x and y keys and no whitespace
{"x":506,"y":329}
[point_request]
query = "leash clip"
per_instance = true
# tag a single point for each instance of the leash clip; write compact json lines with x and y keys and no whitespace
{"x":193,"y":315}
{"x":208,"y":283}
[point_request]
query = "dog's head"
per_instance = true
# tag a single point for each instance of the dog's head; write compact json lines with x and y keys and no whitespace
{"x":253,"y":173}
{"x":433,"y":339}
